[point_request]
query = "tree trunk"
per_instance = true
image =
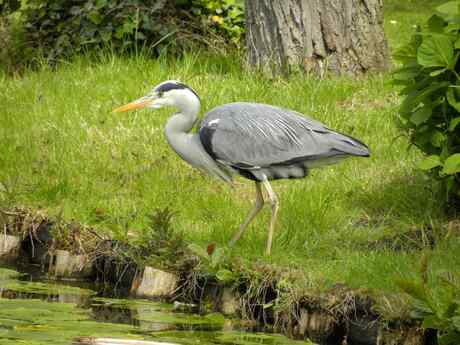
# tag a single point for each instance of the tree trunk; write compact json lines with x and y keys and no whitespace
{"x":319,"y":36}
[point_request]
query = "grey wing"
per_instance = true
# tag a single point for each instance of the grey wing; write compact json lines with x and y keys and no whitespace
{"x":252,"y":136}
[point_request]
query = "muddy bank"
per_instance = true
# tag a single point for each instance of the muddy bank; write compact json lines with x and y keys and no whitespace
{"x":162,"y":265}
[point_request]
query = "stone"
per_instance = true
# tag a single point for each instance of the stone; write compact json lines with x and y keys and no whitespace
{"x":315,"y":324}
{"x":67,"y":265}
{"x":9,"y":247}
{"x":154,"y":283}
{"x":229,"y":302}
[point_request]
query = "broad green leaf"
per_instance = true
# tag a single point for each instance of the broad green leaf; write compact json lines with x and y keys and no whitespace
{"x":140,"y":36}
{"x":453,"y":62}
{"x":449,"y":11}
{"x":421,"y":115}
{"x":449,"y":337}
{"x":430,"y":162}
{"x":431,"y":321}
{"x":101,"y":3}
{"x":452,"y":100}
{"x":435,"y":51}
{"x":454,"y":123}
{"x":450,"y":8}
{"x":217,"y":257}
{"x":128,"y":27}
{"x":119,"y":32}
{"x":436,"y":23}
{"x":437,"y":138}
{"x":407,"y":53}
{"x":95,"y":17}
{"x":420,"y":96}
{"x":225,"y":275}
{"x":452,"y":164}
{"x":456,"y":323}
{"x":198,"y":250}
{"x":407,"y":72}
{"x":450,"y":183}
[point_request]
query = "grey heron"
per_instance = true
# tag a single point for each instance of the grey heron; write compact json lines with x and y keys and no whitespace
{"x":260,"y":142}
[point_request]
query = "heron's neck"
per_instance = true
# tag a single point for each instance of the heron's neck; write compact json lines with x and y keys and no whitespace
{"x":177,"y":131}
{"x":183,"y":121}
{"x":188,"y":146}
{"x":178,"y":134}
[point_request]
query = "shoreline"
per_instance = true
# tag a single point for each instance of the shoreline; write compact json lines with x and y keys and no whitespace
{"x":203,"y":284}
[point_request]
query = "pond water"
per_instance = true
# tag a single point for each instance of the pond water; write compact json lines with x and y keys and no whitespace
{"x":36,"y":311}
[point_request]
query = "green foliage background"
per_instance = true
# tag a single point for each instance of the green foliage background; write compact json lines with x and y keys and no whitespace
{"x":430,"y":111}
{"x":61,"y":28}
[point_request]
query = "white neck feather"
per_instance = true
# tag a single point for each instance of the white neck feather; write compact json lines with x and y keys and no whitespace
{"x":189,"y":105}
{"x":187,"y":145}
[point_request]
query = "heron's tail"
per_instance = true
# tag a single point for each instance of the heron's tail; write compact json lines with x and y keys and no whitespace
{"x":349,"y":145}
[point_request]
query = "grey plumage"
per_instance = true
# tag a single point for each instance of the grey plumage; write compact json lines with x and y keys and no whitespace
{"x":263,"y":140}
{"x":259,"y":141}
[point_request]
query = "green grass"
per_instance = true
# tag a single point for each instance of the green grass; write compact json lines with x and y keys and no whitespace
{"x":62,"y":149}
{"x":402,"y":17}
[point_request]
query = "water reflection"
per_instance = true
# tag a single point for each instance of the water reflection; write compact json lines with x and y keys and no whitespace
{"x":37,"y":311}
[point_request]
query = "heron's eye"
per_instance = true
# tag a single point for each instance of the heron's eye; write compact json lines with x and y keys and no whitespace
{"x":156,"y":94}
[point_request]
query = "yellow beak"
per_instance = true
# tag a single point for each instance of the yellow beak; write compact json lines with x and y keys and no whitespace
{"x":138,"y":104}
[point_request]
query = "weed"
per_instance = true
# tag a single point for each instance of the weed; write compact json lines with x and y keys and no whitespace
{"x":437,"y":308}
{"x":159,"y":244}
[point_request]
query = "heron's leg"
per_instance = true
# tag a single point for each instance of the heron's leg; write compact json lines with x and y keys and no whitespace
{"x":275,"y":206}
{"x":256,"y":209}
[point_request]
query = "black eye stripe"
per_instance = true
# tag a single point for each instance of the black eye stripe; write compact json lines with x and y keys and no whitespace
{"x":169,"y":86}
{"x":165,"y":87}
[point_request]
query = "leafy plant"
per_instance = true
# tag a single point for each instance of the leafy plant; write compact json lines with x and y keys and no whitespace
{"x":10,"y":50}
{"x":8,"y":6}
{"x":61,"y":28}
{"x":214,"y":262}
{"x":437,"y":308}
{"x":430,"y":112}
{"x":159,"y":244}
{"x":226,"y":17}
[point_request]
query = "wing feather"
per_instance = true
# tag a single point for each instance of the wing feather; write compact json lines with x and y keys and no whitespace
{"x":253,"y":135}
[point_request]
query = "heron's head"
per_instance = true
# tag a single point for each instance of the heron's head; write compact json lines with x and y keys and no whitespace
{"x":168,"y":93}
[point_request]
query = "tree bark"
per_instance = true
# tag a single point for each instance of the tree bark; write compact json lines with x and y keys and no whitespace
{"x":339,"y":36}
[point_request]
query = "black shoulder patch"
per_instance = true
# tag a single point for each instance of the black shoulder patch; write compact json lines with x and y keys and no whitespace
{"x":206,"y":133}
{"x":173,"y":85}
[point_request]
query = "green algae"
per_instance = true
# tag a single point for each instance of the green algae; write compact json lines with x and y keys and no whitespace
{"x":41,"y":322}
{"x":145,"y":310}
{"x":130,"y":303}
{"x":48,"y":288}
{"x":37,"y":322}
{"x":6,"y":273}
{"x":9,"y":281}
{"x":239,"y":338}
{"x":229,"y":338}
